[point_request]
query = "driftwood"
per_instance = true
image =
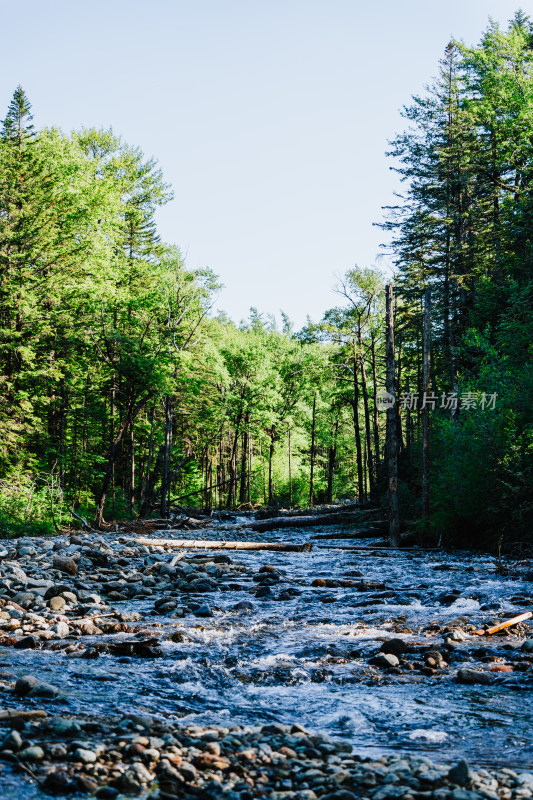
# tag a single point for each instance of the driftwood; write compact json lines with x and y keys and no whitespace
{"x":381,"y":548}
{"x":297,"y":522}
{"x":15,"y":713}
{"x":319,"y":511}
{"x":84,"y":523}
{"x":508,"y":624}
{"x":199,"y":544}
{"x":360,"y":533}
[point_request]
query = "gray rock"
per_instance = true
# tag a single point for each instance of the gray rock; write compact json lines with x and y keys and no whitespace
{"x":25,"y":684}
{"x":527,"y":646}
{"x":55,"y":603}
{"x":43,"y":690}
{"x":61,"y":629}
{"x":27,"y":642}
{"x":65,"y":564}
{"x":24,"y":599}
{"x":85,"y":756}
{"x":457,"y":635}
{"x":204,"y":611}
{"x":460,"y":774}
{"x":188,"y":771}
{"x":34,"y":753}
{"x":394,"y":647}
{"x":57,"y":589}
{"x":65,"y":727}
{"x":13,"y":741}
{"x":26,"y":550}
{"x":384,"y":660}
{"x":465,"y":794}
{"x":243,"y":605}
{"x":473,"y":676}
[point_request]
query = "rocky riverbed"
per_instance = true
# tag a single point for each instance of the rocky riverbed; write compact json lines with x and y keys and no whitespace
{"x":332,"y":674}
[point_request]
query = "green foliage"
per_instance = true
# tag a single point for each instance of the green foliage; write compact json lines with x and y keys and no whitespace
{"x":30,"y":505}
{"x":463,"y":229}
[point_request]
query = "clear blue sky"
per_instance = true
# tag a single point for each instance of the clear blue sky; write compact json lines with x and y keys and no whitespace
{"x":270,"y":118}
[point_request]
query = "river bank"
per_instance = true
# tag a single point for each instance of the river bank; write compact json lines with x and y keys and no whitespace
{"x":373,"y":652}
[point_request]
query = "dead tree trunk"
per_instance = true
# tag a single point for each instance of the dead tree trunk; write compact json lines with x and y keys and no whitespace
{"x":290,"y":471}
{"x":272,"y":434}
{"x":331,"y":462}
{"x":368,"y":440}
{"x":392,"y":431}
{"x":374,"y":398}
{"x":151,"y":480}
{"x":312,"y":473}
{"x":357,"y":427}
{"x":165,"y":482}
{"x":426,"y":378}
{"x":244,"y":458}
{"x":115,"y":447}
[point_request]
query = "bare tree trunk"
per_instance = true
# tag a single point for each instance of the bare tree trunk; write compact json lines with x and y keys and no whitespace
{"x":331,"y":462}
{"x":62,"y":434}
{"x":165,"y":487}
{"x":132,"y":469}
{"x":149,"y":460}
{"x":408,"y":422}
{"x":374,"y":397}
{"x":232,"y":464}
{"x":312,"y":472}
{"x":368,"y":440}
{"x":290,"y":471}
{"x":357,"y":428}
{"x":244,"y":458}
{"x":249,"y":476}
{"x":399,"y":394}
{"x":115,"y":446}
{"x":426,"y":378}
{"x":270,"y":468}
{"x":392,"y":433}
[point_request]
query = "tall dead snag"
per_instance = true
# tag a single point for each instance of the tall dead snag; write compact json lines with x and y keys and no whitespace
{"x":392,"y":431}
{"x":312,"y":474}
{"x":426,"y":377}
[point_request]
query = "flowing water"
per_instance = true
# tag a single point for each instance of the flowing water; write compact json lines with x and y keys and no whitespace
{"x":305,"y":659}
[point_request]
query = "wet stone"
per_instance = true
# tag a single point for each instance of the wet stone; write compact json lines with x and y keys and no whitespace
{"x":34,"y":753}
{"x":25,"y":684}
{"x":460,"y":774}
{"x":396,"y":647}
{"x":473,"y":676}
{"x":46,"y":690}
{"x":13,"y":741}
{"x":384,"y":660}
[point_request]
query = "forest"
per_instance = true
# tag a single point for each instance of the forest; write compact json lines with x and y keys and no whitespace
{"x":124,"y":394}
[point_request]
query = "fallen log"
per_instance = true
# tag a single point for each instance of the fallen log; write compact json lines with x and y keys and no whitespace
{"x":508,"y":624}
{"x":360,"y":533}
{"x":199,"y":544}
{"x":319,"y":511}
{"x":299,"y":522}
{"x":15,"y":713}
{"x":382,"y":548}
